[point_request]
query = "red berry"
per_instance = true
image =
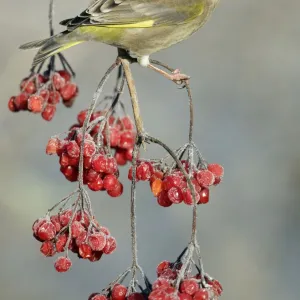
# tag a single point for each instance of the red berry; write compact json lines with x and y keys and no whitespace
{"x":127,"y":123}
{"x":216,"y":169}
{"x":35,"y":103}
{"x":46,"y":231}
{"x":175,"y":195}
{"x":144,"y":171}
{"x":58,"y":81}
{"x":71,"y":173}
{"x":202,"y":294}
{"x":96,"y":185}
{"x":164,"y":265}
{"x":65,"y":217}
{"x":62,"y":264}
{"x":76,"y":229}
{"x":69,"y":91}
{"x":110,"y":246}
{"x":44,"y":94}
{"x":73,"y":149}
{"x":47,"y":248}
{"x":205,"y":178}
{"x":117,"y":190}
{"x":136,"y":296}
{"x":127,"y":139}
{"x":65,"y":74}
{"x":52,"y":146}
{"x":20,"y":101}
{"x":28,"y":86}
{"x":81,"y":116}
{"x":189,"y":286}
{"x":163,"y":199}
{"x":11,"y":105}
{"x":54,"y":97}
{"x":119,"y":292}
{"x":81,"y":238}
{"x":99,"y":163}
{"x":114,"y":137}
{"x":187,"y":197}
{"x":85,"y":251}
{"x":109,"y":182}
{"x":91,"y":175}
{"x":171,"y":181}
{"x":97,"y":241}
{"x":111,"y":166}
{"x":61,"y":242}
{"x":158,"y":295}
{"x":104,"y":230}
{"x":161,"y":283}
{"x":55,"y":221}
{"x":185,"y":297}
{"x":89,"y":148}
{"x":204,"y":196}
{"x":216,"y":286}
{"x":48,"y":112}
{"x":120,"y":157}
{"x":37,"y":224}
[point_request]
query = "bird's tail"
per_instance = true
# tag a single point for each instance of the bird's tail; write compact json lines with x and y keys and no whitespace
{"x":50,"y":46}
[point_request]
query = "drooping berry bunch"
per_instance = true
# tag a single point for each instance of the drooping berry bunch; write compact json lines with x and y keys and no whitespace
{"x":119,"y":133}
{"x":170,"y":186}
{"x":191,"y":286}
{"x":118,"y":291}
{"x":74,"y":230}
{"x":100,"y":168}
{"x":41,"y":92}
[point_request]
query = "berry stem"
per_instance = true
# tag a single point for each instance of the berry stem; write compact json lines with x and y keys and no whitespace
{"x":135,"y":264}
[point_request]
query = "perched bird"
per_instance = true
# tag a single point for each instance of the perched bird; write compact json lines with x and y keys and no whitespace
{"x":141,"y":27}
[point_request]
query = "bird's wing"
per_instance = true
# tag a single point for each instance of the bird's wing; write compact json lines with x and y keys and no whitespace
{"x":137,"y":13}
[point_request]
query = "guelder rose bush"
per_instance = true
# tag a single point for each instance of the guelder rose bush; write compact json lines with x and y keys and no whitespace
{"x":102,"y":143}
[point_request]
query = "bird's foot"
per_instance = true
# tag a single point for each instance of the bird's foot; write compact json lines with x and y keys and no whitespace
{"x":176,"y":76}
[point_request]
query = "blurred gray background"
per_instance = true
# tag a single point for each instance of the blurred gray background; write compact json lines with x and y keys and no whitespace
{"x":245,"y":72}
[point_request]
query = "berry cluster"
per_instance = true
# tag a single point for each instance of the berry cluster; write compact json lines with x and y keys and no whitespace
{"x":41,"y":93}
{"x":75,"y":231}
{"x":171,"y":187}
{"x":117,"y":292}
{"x":120,"y":134}
{"x":100,"y":170}
{"x":190,"y":288}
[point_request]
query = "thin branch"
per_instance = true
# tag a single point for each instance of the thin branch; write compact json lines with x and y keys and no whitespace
{"x":50,"y":17}
{"x":133,"y":96}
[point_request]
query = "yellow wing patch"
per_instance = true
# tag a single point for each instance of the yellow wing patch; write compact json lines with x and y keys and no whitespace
{"x":143,"y":24}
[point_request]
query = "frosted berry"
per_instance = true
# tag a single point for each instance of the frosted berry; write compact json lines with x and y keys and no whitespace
{"x":62,"y":264}
{"x":47,"y":248}
{"x":117,"y":190}
{"x":35,"y":104}
{"x":52,"y":146}
{"x":119,"y":292}
{"x":46,"y":231}
{"x":110,"y":182}
{"x":97,"y":241}
{"x":202,"y":294}
{"x":189,"y":286}
{"x":205,"y":178}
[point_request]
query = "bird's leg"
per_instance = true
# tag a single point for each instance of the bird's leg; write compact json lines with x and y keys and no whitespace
{"x":175,"y":76}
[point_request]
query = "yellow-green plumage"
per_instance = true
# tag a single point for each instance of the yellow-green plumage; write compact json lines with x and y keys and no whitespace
{"x":141,"y":27}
